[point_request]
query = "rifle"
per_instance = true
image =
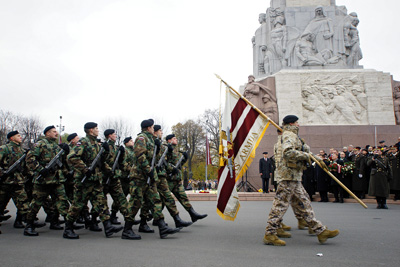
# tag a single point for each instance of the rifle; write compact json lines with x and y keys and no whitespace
{"x":94,"y":163}
{"x":15,"y":166}
{"x":153,"y":160}
{"x":114,"y":167}
{"x":53,"y":162}
{"x":162,"y":159}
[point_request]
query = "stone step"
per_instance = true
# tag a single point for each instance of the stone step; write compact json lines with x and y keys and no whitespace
{"x":256,"y":196}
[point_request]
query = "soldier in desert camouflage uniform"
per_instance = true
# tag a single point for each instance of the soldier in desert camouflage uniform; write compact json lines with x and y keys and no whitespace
{"x":290,"y":171}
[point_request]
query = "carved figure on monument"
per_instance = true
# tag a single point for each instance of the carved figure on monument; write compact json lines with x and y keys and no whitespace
{"x":359,"y":93}
{"x":322,"y":28}
{"x":345,"y":113}
{"x":351,"y":101}
{"x":275,"y":53}
{"x":396,"y":103}
{"x":259,"y":43}
{"x":261,"y":96}
{"x":313,"y":109}
{"x":306,"y":52}
{"x":352,"y":41}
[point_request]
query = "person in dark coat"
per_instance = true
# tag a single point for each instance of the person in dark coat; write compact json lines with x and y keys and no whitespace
{"x":273,"y":168}
{"x":308,"y":181}
{"x":394,"y":161}
{"x":323,"y":179}
{"x":336,"y":188}
{"x":265,"y":171}
{"x":381,"y":175}
{"x":359,"y":178}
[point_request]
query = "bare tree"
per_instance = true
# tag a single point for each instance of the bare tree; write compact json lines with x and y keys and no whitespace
{"x":8,"y":123}
{"x":123,"y":128}
{"x":31,"y":130}
{"x":210,"y":122}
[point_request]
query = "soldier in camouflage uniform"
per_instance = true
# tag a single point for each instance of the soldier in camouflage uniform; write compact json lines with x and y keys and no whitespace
{"x":174,"y":177}
{"x":144,"y":179}
{"x":81,"y":158}
{"x":47,"y":181}
{"x":12,"y":184}
{"x":162,"y":185}
{"x":290,"y":172}
{"x":114,"y":187}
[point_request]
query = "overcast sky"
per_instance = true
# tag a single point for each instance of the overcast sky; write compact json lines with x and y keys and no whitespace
{"x":89,"y":60}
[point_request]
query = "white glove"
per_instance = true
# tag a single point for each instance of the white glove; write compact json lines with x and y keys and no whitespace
{"x":360,"y":176}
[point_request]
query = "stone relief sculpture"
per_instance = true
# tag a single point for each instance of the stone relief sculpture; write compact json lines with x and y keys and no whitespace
{"x":331,"y":100}
{"x":396,"y":103}
{"x":262,"y":97}
{"x":287,"y":33}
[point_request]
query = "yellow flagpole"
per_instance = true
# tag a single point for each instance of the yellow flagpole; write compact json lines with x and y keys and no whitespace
{"x":323,"y":166}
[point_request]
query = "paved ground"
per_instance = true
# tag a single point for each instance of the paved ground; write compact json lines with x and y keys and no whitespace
{"x":368,"y":237}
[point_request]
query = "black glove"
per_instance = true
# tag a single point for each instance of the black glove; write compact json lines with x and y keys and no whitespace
{"x":88,"y":173}
{"x":157,"y":142}
{"x":44,"y":172}
{"x":375,"y":156}
{"x":170,"y":148}
{"x":64,"y":147}
{"x":122,"y":149}
{"x":106,"y":146}
{"x":185,"y":155}
{"x":175,"y":171}
{"x":151,"y":175}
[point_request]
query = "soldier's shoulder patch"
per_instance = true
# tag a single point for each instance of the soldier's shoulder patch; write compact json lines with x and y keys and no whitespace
{"x":140,"y":138}
{"x":78,"y":144}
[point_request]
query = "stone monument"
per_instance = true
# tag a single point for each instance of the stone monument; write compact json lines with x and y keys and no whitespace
{"x":306,"y":61}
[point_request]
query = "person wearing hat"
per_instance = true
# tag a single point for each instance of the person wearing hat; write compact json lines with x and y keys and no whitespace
{"x":174,"y":177}
{"x":13,"y":184}
{"x":265,"y":169}
{"x":381,"y":175}
{"x":80,"y":158}
{"x":144,"y":183}
{"x":51,"y":181}
{"x":290,"y":171}
{"x":162,"y":185}
{"x":114,"y":187}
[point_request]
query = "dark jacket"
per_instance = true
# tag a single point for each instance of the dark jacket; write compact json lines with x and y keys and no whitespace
{"x":265,"y":168}
{"x":381,"y":174}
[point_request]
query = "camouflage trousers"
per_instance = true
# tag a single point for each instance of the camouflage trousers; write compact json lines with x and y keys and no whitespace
{"x":118,"y":196}
{"x":139,"y":191}
{"x":40,"y":195}
{"x":177,"y":189}
{"x":125,"y":189}
{"x":48,"y":205}
{"x":18,"y":195}
{"x":292,"y":192}
{"x":83,"y":192}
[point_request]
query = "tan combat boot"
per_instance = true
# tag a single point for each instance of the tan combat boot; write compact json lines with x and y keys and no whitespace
{"x":270,"y":239}
{"x":302,"y":224}
{"x":285,"y":227}
{"x":283,"y":234}
{"x":322,"y":237}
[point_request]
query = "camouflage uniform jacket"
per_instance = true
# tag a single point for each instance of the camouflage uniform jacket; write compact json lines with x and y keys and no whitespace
{"x":9,"y":154}
{"x":38,"y":157}
{"x":293,"y":157}
{"x":82,"y":156}
{"x":111,"y":158}
{"x":172,"y":160}
{"x":278,"y":158}
{"x":127,"y":162}
{"x":162,"y":170}
{"x":143,"y":154}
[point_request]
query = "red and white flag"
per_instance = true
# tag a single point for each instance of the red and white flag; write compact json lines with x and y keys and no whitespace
{"x":208,"y":156}
{"x":241,"y":132}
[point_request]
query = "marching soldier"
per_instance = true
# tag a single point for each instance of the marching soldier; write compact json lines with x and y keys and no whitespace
{"x":144,"y":178}
{"x":48,"y":180}
{"x":174,"y":177}
{"x":111,"y":182}
{"x":88,"y":164}
{"x":162,"y":185}
{"x":12,"y":181}
{"x":290,"y":170}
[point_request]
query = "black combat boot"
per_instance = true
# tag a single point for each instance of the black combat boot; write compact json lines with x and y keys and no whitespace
{"x":128,"y":233}
{"x":179,"y":223}
{"x":143,"y":227}
{"x":37,"y":224}
{"x":49,"y":217}
{"x":4,"y":217}
{"x":30,"y":229}
{"x":18,"y":222}
{"x":55,"y":224}
{"x":109,"y":229}
{"x":383,"y":203}
{"x":92,"y":223}
{"x":69,"y":231}
{"x":195,"y":216}
{"x":378,"y":201}
{"x":165,"y":230}
{"x":114,"y":218}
